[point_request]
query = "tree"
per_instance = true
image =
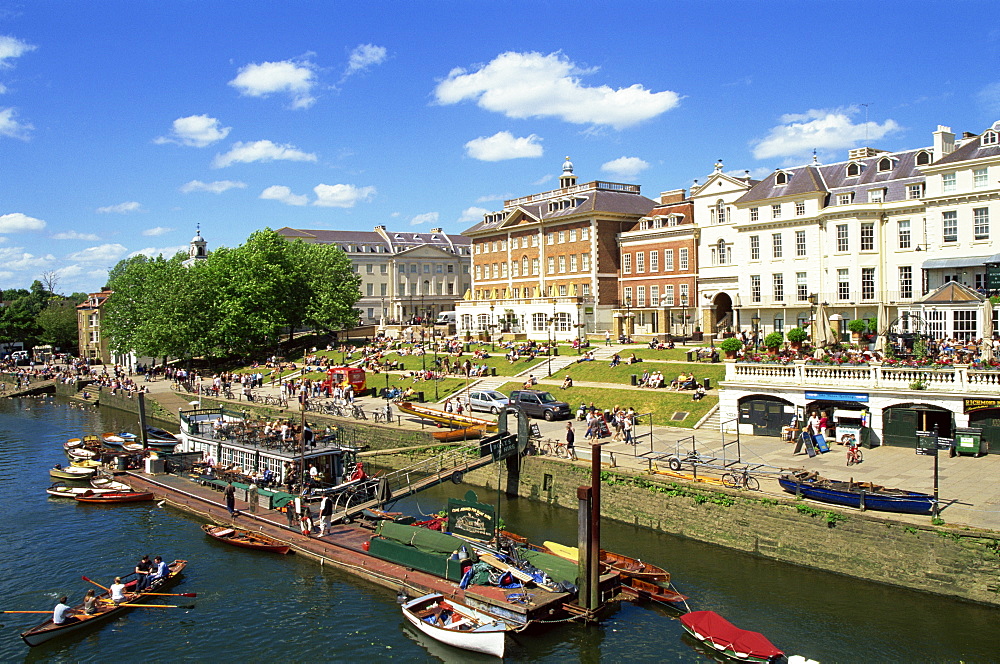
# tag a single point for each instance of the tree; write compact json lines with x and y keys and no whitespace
{"x":58,"y":323}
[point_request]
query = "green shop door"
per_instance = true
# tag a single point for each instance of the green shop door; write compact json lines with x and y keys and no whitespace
{"x":899,"y":427}
{"x":767,"y":417}
{"x":989,"y":420}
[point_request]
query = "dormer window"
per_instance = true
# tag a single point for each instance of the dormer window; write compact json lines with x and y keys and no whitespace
{"x":884,"y":165}
{"x":923,"y":158}
{"x":854,"y":169}
{"x":989,"y":138}
{"x":781,"y":178}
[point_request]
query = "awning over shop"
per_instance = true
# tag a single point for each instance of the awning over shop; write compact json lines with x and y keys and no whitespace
{"x":965,"y":261}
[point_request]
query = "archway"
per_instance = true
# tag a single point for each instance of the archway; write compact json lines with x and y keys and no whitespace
{"x":901,"y":422}
{"x":767,"y":414}
{"x":722,"y":321}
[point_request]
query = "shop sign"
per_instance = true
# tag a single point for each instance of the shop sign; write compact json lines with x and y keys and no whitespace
{"x":837,"y":396}
{"x":970,"y":405}
{"x":471,"y":518}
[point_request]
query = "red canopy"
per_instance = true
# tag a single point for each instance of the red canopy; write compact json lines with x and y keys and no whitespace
{"x":719,"y":631}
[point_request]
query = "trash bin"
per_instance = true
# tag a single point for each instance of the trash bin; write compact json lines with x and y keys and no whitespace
{"x":120,"y":462}
{"x":708,"y":383}
{"x":969,"y":440}
{"x":493,"y":371}
{"x":634,"y":379}
{"x":555,"y":351}
{"x":691,"y":357}
{"x":419,"y":397}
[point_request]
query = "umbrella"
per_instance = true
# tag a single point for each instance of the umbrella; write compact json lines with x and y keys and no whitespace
{"x":882,"y":320}
{"x":987,"y":351}
{"x":822,"y":335}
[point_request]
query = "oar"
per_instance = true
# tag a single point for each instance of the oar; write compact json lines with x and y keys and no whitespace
{"x":25,"y":611}
{"x":95,"y":583}
{"x":156,"y":606}
{"x":172,"y":594}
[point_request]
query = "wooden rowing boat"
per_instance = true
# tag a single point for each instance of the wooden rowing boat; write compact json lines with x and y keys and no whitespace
{"x":721,"y":636}
{"x":81,"y":454}
{"x":456,"y":625}
{"x":86,"y":463}
{"x":245,"y":538}
{"x":436,"y":415}
{"x":105,"y":609}
{"x":72,"y":473}
{"x":109,"y":483}
{"x":862,"y":495}
{"x":458,"y":434}
{"x":60,"y":490}
{"x":116,"y":497}
{"x":125,"y":441}
{"x":161,"y":438}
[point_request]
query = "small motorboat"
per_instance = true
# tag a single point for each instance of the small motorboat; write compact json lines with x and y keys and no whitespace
{"x":457,"y":625}
{"x":105,"y":482}
{"x":86,"y":463}
{"x":60,"y":490}
{"x":81,"y":454}
{"x":245,"y":538}
{"x":161,"y":438}
{"x":72,"y":473}
{"x":721,"y":636}
{"x":115,"y":497}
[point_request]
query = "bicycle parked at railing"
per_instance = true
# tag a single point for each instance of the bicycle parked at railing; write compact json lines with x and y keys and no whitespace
{"x":741,"y":479}
{"x":556,"y":448}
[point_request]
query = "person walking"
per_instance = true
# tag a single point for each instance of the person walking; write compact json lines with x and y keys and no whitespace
{"x":325,"y":512}
{"x":253,"y":497}
{"x":229,"y":493}
{"x":607,"y":337}
{"x":570,"y":440}
{"x":627,"y":430}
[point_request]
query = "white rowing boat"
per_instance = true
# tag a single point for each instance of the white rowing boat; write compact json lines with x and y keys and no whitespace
{"x":456,"y":625}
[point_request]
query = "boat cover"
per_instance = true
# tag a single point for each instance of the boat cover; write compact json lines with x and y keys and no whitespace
{"x":723,"y":633}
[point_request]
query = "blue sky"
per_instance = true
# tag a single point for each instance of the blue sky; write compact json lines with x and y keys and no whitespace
{"x":125,"y":124}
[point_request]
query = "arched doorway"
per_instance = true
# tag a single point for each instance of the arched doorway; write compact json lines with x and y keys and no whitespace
{"x":901,"y":422}
{"x":722,"y":315}
{"x":767,"y":414}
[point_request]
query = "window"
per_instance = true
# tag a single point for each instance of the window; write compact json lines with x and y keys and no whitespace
{"x":654,"y":296}
{"x":414,"y":268}
{"x":524,"y":265}
{"x":979,"y":178}
{"x":754,"y":214}
{"x":853,"y":170}
{"x":496,"y":271}
{"x":903,"y":232}
{"x":562,"y":236}
{"x":800,"y":208}
{"x":876,"y":195}
{"x":867,"y":283}
{"x":551,"y":262}
{"x":981,"y":223}
{"x":915,"y":191}
{"x":585,"y":262}
{"x":755,"y":288}
{"x":845,"y":199}
{"x":627,"y":263}
{"x":503,"y":266}
{"x":683,"y":258}
{"x":538,"y":323}
{"x":668,"y":260}
{"x":640,"y":296}
{"x":563,"y":290}
{"x":949,"y":226}
{"x":800,"y":243}
{"x":884,"y":165}
{"x":562,"y":265}
{"x":778,"y":280}
{"x":534,"y":240}
{"x":776,"y":249}
{"x":370,"y":290}
{"x":755,"y":247}
{"x":776,"y":211}
{"x":654,"y":261}
{"x":964,"y":324}
{"x":949,"y":183}
{"x":535,"y":267}
{"x":843,"y":284}
{"x":550,"y":238}
{"x":572,"y":263}
{"x":781,"y":178}
{"x":684,"y":295}
{"x":801,"y":286}
{"x":479,"y":272}
{"x":370,"y":268}
{"x":584,"y":233}
{"x":906,"y":282}
{"x":402,"y":268}
{"x":628,"y":294}
{"x":384,"y":268}
{"x":989,"y":138}
{"x":383,"y":289}
{"x":923,"y":158}
{"x":779,"y":324}
{"x":718,"y":253}
{"x":668,"y":296}
{"x":586,"y":289}
{"x":842,"y":238}
{"x":867,"y":237}
{"x":640,"y":262}
{"x":572,"y":235}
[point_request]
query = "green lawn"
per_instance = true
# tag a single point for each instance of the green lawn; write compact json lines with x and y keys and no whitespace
{"x":662,"y":404}
{"x":601,"y":371}
{"x":497,"y":361}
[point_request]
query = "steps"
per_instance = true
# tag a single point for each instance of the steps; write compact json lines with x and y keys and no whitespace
{"x":713,"y":422}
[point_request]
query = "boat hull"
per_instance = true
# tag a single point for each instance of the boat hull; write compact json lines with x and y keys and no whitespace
{"x":116,"y":497}
{"x":72,"y":473}
{"x":488,"y":639}
{"x":458,"y":434}
{"x":74,"y":491}
{"x":245,"y":539}
{"x":908,"y":502}
{"x":720,"y":636}
{"x":446,"y":418}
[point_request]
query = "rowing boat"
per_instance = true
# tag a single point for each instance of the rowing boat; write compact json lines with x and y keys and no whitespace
{"x":125,"y":441}
{"x":86,"y":463}
{"x":115,"y":497}
{"x":441,"y":416}
{"x":105,"y":609}
{"x":60,"y":490}
{"x":109,"y":483}
{"x":72,"y":473}
{"x":721,"y":636}
{"x":81,"y":454}
{"x":863,"y":495}
{"x":245,"y":538}
{"x":458,"y":434}
{"x":161,"y":438}
{"x":456,"y":624}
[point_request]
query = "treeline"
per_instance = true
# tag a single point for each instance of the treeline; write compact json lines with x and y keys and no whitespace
{"x":235,"y":302}
{"x":39,"y":316}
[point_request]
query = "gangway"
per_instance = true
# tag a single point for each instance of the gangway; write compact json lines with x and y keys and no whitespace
{"x":449,"y":465}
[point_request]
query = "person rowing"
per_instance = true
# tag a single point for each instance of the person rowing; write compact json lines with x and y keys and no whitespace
{"x":61,"y":613}
{"x":118,"y":594}
{"x":160,"y":570}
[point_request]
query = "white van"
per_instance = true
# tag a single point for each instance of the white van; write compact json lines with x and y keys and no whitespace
{"x":446,"y":318}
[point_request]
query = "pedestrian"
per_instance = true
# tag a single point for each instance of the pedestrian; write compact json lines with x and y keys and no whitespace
{"x":627,"y":429}
{"x":813,"y":423}
{"x":230,"y":495}
{"x":290,"y":513}
{"x":253,"y":497}
{"x":570,"y":439}
{"x":325,"y":512}
{"x":607,"y":337}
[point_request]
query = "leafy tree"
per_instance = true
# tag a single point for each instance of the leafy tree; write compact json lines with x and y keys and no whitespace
{"x":58,"y":324}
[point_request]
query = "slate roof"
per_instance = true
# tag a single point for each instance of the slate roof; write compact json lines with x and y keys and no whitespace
{"x":972,"y":149}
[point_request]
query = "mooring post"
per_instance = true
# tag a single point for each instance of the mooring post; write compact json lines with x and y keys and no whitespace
{"x":583,"y":494}
{"x":594,"y":599}
{"x":142,"y":421}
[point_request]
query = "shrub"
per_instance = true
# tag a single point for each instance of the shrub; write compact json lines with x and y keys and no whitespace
{"x":774,"y":339}
{"x":797,"y":335}
{"x":857,"y":326}
{"x":731,"y":345}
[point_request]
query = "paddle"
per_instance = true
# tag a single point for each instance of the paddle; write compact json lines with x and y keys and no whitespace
{"x":25,"y":611}
{"x":95,"y":583}
{"x":173,"y":594}
{"x":158,"y":606}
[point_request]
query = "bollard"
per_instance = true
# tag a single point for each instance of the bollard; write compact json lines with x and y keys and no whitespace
{"x":634,"y":380}
{"x":708,"y":383}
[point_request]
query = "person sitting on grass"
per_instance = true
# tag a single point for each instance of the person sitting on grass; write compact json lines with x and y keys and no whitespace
{"x":616,"y":359}
{"x":567,"y":383}
{"x":632,"y":359}
{"x":699,"y":393}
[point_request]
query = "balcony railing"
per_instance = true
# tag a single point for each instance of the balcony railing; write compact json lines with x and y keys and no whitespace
{"x":957,"y":378}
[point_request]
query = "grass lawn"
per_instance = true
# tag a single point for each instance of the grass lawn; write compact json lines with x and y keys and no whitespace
{"x":497,"y":361}
{"x":663,"y":405}
{"x":600,"y":372}
{"x":678,"y":354}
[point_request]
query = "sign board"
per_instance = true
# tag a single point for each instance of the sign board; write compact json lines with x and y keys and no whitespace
{"x":992,"y":276}
{"x":927,"y":443}
{"x":969,"y":405}
{"x":471,"y":518}
{"x":500,"y":446}
{"x":837,"y":396}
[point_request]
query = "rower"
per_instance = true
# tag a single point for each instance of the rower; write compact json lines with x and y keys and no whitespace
{"x":160,"y":570}
{"x":60,"y":614}
{"x":118,"y":591}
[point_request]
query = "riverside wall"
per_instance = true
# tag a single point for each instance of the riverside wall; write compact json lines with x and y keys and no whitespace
{"x":957,"y":562}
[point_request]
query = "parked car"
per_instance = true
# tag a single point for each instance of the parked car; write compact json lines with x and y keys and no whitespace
{"x":489,"y":400}
{"x":540,"y":404}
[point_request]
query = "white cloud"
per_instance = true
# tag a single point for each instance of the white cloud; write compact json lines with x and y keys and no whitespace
{"x":533,"y":85}
{"x":283,"y":194}
{"x":157,"y":231}
{"x":166,"y":252}
{"x":296,"y":79}
{"x":364,"y":57}
{"x":11,"y":127}
{"x":121,"y":208}
{"x":341,"y":195}
{"x":16,"y":259}
{"x":247,"y":153}
{"x":11,"y":48}
{"x":103,"y":252}
{"x":216,"y":187}
{"x":425,"y":218}
{"x":15,"y":222}
{"x":472,"y":214}
{"x":196,"y":131}
{"x":503,"y":145}
{"x":494,"y":197}
{"x":799,"y":134}
{"x":542,"y":180}
{"x":625,"y":167}
{"x":74,"y":235}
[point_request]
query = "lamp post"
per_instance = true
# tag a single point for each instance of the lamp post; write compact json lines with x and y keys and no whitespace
{"x":423,"y":329}
{"x":684,"y":317}
{"x":492,"y":326}
{"x":550,"y":322}
{"x":755,"y":321}
{"x":627,"y":328}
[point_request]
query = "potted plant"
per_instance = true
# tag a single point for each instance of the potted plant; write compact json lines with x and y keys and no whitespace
{"x":773,"y":341}
{"x":730,"y":346}
{"x":796,"y":336}
{"x":857,"y":328}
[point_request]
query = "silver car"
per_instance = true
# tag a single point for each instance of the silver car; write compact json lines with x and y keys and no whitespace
{"x":490,"y":400}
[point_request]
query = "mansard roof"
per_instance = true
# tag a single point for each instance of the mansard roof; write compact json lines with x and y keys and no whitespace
{"x":972,"y":149}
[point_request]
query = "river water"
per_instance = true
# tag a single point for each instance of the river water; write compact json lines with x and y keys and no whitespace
{"x":258,"y":607}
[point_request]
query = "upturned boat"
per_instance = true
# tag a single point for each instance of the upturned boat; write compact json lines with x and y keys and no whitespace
{"x":246,"y":539}
{"x":456,"y":625}
{"x":864,"y":495}
{"x":721,"y":636}
{"x":72,"y":473}
{"x":106,"y":609}
{"x":115,"y":497}
{"x":435,"y":415}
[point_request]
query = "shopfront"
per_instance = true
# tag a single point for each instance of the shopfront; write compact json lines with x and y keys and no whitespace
{"x":847,"y":413}
{"x":985,"y":414}
{"x":901,"y":422}
{"x":767,"y":415}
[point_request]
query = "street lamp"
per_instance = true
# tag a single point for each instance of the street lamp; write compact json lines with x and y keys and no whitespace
{"x":423,"y":340}
{"x":684,"y":317}
{"x":755,"y":321}
{"x":550,"y":322}
{"x":627,"y":328}
{"x":492,"y":326}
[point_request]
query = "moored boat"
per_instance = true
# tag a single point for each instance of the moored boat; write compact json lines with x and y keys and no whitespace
{"x":161,"y":438}
{"x":721,"y":636}
{"x":60,"y":490}
{"x":441,"y":416}
{"x":456,"y":625}
{"x":245,"y":538}
{"x":115,"y":497}
{"x":105,"y":610}
{"x":86,"y":463}
{"x":105,"y":482}
{"x":856,"y":494}
{"x":81,"y":454}
{"x":125,"y":441}
{"x":458,"y":434}
{"x":71,"y":473}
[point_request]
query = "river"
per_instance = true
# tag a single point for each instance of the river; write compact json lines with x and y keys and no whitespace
{"x":257,"y":607}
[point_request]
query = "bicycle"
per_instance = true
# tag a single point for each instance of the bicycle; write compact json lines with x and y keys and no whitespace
{"x":554,"y":448}
{"x":358,"y":412}
{"x":854,"y":455}
{"x":738,"y":479}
